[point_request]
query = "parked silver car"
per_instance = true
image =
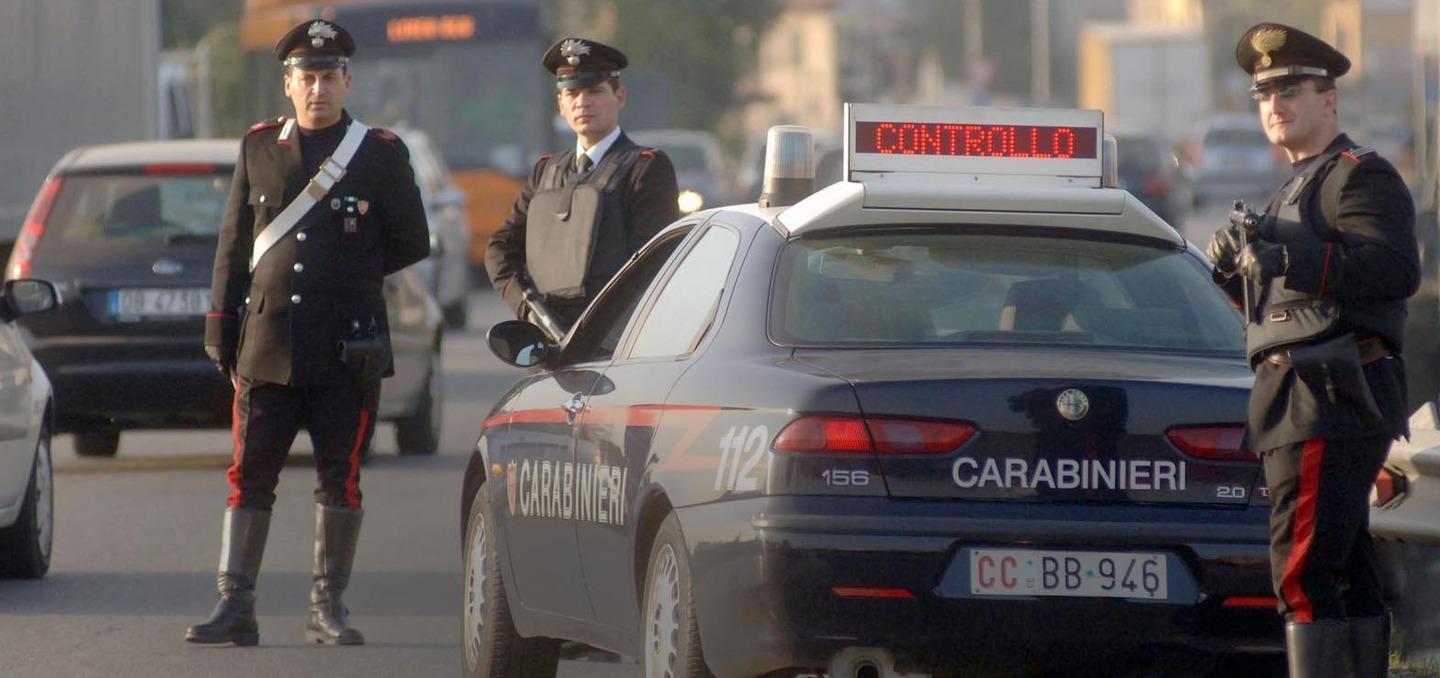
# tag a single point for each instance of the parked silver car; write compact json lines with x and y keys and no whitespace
{"x":27,"y":490}
{"x":446,"y":271}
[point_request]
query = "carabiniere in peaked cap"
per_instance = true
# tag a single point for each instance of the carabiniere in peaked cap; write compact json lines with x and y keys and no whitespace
{"x":315,"y":44}
{"x":1269,"y":51}
{"x":577,"y":62}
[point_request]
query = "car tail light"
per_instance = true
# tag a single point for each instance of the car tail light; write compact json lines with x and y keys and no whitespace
{"x":825,"y":434}
{"x":872,"y":434}
{"x":1218,"y":443}
{"x":24,"y":252}
{"x":1390,"y":486}
{"x":900,"y":436}
{"x":872,"y":592}
{"x":1251,"y":602}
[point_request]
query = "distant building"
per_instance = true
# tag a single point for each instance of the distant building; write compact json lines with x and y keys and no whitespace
{"x":1379,"y":37}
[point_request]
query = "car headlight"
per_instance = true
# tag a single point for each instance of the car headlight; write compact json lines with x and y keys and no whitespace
{"x":689,"y":201}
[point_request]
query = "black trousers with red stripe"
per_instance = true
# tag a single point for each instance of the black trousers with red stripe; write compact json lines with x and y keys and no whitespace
{"x":1322,"y":560}
{"x":266,"y":418}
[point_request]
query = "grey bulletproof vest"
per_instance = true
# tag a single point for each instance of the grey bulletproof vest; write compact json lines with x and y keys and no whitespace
{"x":1284,"y":316}
{"x":565,"y":242}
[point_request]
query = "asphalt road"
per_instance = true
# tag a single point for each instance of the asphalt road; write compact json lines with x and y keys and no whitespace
{"x":137,"y":540}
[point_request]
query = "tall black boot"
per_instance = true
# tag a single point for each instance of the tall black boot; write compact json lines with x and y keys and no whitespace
{"x":1317,"y":649}
{"x":336,"y":532}
{"x":1370,"y":646}
{"x":242,"y":543}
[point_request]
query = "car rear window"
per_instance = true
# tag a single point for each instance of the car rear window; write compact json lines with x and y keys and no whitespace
{"x":98,"y":208}
{"x":929,"y":287}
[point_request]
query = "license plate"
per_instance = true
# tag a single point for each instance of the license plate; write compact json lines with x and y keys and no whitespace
{"x":1083,"y":574}
{"x":162,"y":301}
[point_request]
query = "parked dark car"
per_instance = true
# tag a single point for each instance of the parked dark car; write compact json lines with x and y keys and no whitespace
{"x":1234,"y":160}
{"x":128,"y":233}
{"x":1151,"y":172}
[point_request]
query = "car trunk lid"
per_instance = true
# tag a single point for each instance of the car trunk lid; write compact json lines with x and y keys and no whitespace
{"x":1058,"y":425}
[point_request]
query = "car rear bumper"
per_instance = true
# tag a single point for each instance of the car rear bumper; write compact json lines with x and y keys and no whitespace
{"x":765,"y":600}
{"x":134,"y":384}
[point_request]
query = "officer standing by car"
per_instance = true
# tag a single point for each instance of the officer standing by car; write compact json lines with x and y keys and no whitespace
{"x":298,"y":320}
{"x":1323,"y":277}
{"x":581,"y":213}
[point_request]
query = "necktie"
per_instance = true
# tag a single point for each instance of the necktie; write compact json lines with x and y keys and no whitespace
{"x":585,"y":163}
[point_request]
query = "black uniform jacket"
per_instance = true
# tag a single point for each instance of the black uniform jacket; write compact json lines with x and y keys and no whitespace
{"x":284,"y":322}
{"x":648,"y":205}
{"x":1367,"y":261}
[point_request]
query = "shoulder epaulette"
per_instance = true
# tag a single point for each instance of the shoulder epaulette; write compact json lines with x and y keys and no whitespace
{"x":383,"y":134}
{"x":266,"y":124}
{"x":1358,"y":154}
{"x":545,"y":156}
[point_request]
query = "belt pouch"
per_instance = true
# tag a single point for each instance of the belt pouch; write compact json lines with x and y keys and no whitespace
{"x":1334,"y":374}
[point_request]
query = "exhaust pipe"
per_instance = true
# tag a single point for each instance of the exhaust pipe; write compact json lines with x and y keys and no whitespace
{"x":867,"y":662}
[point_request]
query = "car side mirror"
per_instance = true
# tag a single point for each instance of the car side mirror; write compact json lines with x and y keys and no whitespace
{"x":26,"y":296}
{"x":519,"y":343}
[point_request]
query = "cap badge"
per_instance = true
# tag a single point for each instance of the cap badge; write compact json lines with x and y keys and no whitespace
{"x":1265,"y":41}
{"x":320,"y":32}
{"x":573,"y":49}
{"x":1072,"y":404}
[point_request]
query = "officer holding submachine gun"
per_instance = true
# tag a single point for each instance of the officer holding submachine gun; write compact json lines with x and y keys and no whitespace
{"x":1323,"y":277}
{"x":583,"y":212}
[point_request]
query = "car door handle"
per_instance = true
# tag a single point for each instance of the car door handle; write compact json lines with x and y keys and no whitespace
{"x":574,"y":407}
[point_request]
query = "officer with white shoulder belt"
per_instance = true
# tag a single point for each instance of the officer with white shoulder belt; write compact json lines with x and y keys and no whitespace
{"x":321,"y":209}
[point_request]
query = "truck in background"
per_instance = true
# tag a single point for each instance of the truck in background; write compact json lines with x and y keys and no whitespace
{"x":1169,"y":65}
{"x":75,"y":72}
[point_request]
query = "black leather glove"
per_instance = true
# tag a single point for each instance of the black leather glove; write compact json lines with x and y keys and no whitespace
{"x":1223,"y":248}
{"x":1261,"y":261}
{"x":224,"y":360}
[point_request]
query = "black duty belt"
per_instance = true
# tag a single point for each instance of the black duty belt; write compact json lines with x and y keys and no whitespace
{"x":1371,"y":349}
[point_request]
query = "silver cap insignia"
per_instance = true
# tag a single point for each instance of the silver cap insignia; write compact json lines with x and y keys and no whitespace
{"x":1072,"y":404}
{"x":572,"y":50}
{"x":320,"y":32}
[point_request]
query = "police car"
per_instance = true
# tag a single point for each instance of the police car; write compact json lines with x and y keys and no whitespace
{"x":972,"y":406}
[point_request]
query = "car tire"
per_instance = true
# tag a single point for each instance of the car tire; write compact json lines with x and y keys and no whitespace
{"x":457,"y":315}
{"x":100,"y":442}
{"x":25,"y":546}
{"x":419,"y":431}
{"x":490,"y":647}
{"x":671,"y":635}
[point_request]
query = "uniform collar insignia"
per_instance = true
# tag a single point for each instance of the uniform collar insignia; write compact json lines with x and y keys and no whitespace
{"x":573,"y":49}
{"x":1265,"y":41}
{"x":287,"y":132}
{"x":320,"y":32}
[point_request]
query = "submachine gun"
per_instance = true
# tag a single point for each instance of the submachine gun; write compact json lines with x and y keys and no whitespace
{"x":542,"y":316}
{"x":1248,"y":224}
